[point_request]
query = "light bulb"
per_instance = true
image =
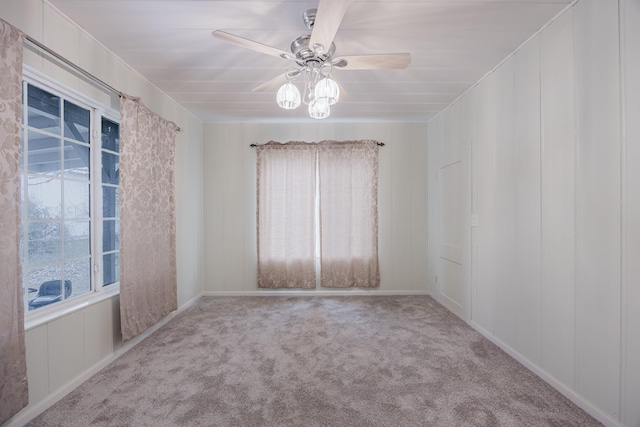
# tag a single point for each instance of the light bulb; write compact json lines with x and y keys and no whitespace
{"x":288,"y":96}
{"x":327,"y":89}
{"x":319,"y":109}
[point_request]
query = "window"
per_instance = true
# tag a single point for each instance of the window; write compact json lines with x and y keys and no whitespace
{"x":69,"y":175}
{"x":110,"y":206}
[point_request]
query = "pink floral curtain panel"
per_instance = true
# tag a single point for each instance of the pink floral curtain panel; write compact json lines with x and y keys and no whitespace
{"x":286,"y":182}
{"x":348,"y":174}
{"x":13,"y":366}
{"x":148,"y":281}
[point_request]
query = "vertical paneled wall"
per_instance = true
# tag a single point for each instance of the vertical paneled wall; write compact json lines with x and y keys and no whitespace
{"x":557,"y":194}
{"x":63,"y":349}
{"x":630,"y":315}
{"x":558,"y":190}
{"x":503,"y":191}
{"x":230,"y":199}
{"x":485,"y":206}
{"x":527,"y":144}
{"x":598,"y":236}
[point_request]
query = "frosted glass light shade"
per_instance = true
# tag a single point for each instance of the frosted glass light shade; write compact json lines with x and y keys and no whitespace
{"x":288,"y":96}
{"x":319,"y":109}
{"x":327,"y":89}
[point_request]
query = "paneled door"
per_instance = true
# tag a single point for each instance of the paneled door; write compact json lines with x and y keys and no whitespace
{"x":453,"y":285}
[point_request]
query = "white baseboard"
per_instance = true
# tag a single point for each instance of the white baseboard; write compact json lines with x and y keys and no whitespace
{"x":450,"y":304}
{"x":189,"y":303}
{"x":312,"y":292}
{"x":571,"y":394}
{"x":32,"y":411}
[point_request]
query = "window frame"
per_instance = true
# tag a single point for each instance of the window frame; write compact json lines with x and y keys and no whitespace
{"x":99,"y":207}
{"x":98,"y":110}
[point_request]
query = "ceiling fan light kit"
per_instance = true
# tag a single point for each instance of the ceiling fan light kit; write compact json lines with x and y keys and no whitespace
{"x":315,"y":62}
{"x":327,"y":89}
{"x":319,"y":90}
{"x":288,"y":96}
{"x":319,"y":93}
{"x":319,"y":109}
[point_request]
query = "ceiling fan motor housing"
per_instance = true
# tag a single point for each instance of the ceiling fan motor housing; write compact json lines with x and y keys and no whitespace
{"x":305,"y":54}
{"x":300,"y":46}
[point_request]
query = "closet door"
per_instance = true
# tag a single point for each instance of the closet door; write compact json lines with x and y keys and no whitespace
{"x":454,"y":206}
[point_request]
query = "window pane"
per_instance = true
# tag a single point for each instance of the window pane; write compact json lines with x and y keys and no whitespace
{"x":76,"y":161}
{"x":110,"y":205}
{"x":111,"y":268}
{"x":76,"y":199}
{"x":110,"y":168}
{"x":79,"y":274}
{"x":45,"y":242}
{"x":44,"y":286}
{"x":111,"y":235}
{"x":44,"y":154}
{"x":110,"y":135}
{"x":43,"y":110}
{"x":44,"y":197}
{"x":76,"y":122}
{"x":76,"y":239}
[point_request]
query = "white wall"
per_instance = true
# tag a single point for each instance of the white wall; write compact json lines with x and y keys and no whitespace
{"x":63,"y":350}
{"x":630,"y":291}
{"x":230,"y":199}
{"x":555,"y":144}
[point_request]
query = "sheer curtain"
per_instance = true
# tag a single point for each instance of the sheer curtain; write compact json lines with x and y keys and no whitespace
{"x":348,"y":175}
{"x":286,"y":182}
{"x":13,"y":366}
{"x":148,"y":283}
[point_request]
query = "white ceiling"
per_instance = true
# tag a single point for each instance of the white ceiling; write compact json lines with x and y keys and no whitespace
{"x":453,"y":43}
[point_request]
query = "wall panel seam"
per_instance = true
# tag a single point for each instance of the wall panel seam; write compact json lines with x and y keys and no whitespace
{"x":623,"y":216}
{"x":576,"y":201}
{"x":540,"y":170}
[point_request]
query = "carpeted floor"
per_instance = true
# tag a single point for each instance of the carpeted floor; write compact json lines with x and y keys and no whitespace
{"x":315,"y":361}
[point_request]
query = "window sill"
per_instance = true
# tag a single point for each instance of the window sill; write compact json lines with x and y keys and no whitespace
{"x":33,"y":320}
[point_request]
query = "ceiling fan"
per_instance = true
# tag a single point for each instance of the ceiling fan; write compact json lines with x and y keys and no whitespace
{"x":314,"y":60}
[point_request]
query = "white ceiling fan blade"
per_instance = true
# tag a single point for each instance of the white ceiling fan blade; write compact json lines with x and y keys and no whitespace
{"x":373,"y":62}
{"x":272,"y":84}
{"x":253,"y":45}
{"x":276,"y":82}
{"x":327,"y":21}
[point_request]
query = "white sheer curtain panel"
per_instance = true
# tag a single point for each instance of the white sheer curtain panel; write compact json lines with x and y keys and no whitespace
{"x":148,"y":283}
{"x":286,"y":182}
{"x":14,"y":394}
{"x":348,"y":175}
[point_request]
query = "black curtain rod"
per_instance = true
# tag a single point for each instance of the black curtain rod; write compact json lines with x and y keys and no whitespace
{"x":381,"y":144}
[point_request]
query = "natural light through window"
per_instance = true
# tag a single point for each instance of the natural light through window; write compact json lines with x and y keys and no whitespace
{"x":69,"y":215}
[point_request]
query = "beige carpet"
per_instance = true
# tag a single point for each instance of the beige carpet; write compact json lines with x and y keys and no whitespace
{"x":315,"y":361}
